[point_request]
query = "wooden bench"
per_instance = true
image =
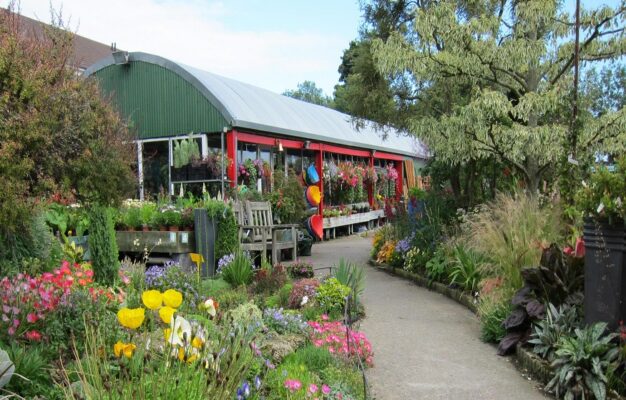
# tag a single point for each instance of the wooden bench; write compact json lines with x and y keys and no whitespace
{"x":257,"y":231}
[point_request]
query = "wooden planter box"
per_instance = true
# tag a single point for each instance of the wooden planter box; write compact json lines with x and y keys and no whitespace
{"x":156,"y":242}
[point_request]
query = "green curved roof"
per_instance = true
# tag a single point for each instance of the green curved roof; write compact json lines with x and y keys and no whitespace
{"x":165,"y":98}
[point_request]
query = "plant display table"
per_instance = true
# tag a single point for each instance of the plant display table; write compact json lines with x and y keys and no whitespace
{"x":156,"y":242}
{"x":371,"y":218}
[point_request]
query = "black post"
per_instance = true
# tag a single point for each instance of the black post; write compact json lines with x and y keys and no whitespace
{"x":605,"y":275}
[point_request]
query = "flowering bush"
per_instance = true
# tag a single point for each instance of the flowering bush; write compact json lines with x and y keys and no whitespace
{"x":27,"y":301}
{"x":300,"y":269}
{"x":303,"y":292}
{"x":386,"y":252}
{"x":270,"y":280}
{"x":341,"y":341}
{"x":284,"y":322}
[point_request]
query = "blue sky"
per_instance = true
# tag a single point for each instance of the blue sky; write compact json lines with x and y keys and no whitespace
{"x":273,"y":44}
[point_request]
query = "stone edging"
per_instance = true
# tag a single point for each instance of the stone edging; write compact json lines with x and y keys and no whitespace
{"x":455,"y":294}
{"x":526,"y":360}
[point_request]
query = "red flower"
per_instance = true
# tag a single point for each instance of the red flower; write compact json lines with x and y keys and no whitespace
{"x":32,"y":318}
{"x":34,"y":336}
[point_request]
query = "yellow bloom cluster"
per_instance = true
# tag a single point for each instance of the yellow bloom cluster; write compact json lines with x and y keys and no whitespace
{"x":123,"y":349}
{"x":131,"y":318}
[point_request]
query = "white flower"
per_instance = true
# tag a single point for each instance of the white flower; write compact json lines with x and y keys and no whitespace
{"x":209,"y":306}
{"x":305,"y":300}
{"x":181,"y":331}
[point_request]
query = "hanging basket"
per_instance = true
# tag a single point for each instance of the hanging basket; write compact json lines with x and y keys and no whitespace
{"x":312,"y":177}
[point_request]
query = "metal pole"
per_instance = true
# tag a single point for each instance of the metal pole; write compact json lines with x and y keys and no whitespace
{"x":574,"y":127}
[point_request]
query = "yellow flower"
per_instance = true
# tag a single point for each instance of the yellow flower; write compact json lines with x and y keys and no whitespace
{"x":131,"y":318}
{"x":197,"y":342}
{"x":166,"y":313}
{"x":172,"y":298}
{"x":126,"y":349}
{"x":152,"y":299}
{"x":167,"y":332}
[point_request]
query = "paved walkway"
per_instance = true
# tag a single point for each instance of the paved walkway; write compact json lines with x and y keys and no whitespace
{"x":426,"y":346}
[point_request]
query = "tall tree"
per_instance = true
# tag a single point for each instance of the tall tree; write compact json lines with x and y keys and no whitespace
{"x":309,"y":92}
{"x":513,"y":61}
{"x":57,"y":134}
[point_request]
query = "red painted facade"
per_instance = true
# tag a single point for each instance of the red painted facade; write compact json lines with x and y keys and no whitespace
{"x":234,"y":137}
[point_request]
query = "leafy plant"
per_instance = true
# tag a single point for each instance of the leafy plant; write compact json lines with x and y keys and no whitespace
{"x":6,"y":368}
{"x":303,"y":292}
{"x":437,"y":268}
{"x":147,"y":212}
{"x":492,"y":311}
{"x":269,"y":280}
{"x":464,"y":269}
{"x":31,"y":376}
{"x":132,"y":218}
{"x":239,"y":271}
{"x":185,"y":151}
{"x":227,"y":237}
{"x":581,"y":362}
{"x":352,"y":276}
{"x":602,"y":198}
{"x":557,"y":280}
{"x":300,"y":269}
{"x":332,"y":295}
{"x":559,"y":322}
{"x":103,"y":246}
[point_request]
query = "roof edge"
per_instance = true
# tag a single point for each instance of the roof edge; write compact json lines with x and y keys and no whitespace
{"x":169,"y":65}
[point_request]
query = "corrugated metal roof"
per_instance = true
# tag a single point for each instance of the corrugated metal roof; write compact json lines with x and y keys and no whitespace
{"x":248,"y":106}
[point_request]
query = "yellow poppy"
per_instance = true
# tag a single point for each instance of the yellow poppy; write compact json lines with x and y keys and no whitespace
{"x":166,"y":313}
{"x":181,"y":353}
{"x":131,"y":318}
{"x":172,"y":298}
{"x":197,"y":342}
{"x":153,"y":299}
{"x":126,"y":349}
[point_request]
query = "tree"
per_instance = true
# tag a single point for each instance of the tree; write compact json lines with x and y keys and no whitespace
{"x":309,"y":92}
{"x":511,"y":64}
{"x":58,"y":137}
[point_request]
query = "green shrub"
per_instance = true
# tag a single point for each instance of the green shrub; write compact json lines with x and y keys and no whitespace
{"x":332,"y":295}
{"x":492,"y":312}
{"x":212,"y":287}
{"x":559,"y":322}
{"x":352,"y":276}
{"x":275,"y":380}
{"x":344,"y":379}
{"x":246,"y":315}
{"x":227,"y":234}
{"x":239,"y":271}
{"x":103,"y":246}
{"x":581,"y":362}
{"x":31,"y":377}
{"x":464,"y":270}
{"x":508,"y":232}
{"x":437,"y":268}
{"x":231,"y":298}
{"x":315,"y":359}
{"x":131,"y":217}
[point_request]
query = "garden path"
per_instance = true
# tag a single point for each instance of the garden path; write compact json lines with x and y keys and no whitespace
{"x":426,"y":346}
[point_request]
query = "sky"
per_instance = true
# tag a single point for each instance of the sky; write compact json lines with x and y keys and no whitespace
{"x":274,"y":44}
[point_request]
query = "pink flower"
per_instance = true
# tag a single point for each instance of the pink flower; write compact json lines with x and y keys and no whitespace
{"x":32,"y":318}
{"x":293,"y":385}
{"x":325,"y":389}
{"x":313,"y":388}
{"x":11,"y":331}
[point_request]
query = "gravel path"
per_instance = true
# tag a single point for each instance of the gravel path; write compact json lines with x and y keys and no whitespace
{"x":426,"y":346}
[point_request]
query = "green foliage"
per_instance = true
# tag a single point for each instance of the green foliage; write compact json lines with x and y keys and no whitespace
{"x":269,"y":280}
{"x":559,"y":322}
{"x":227,"y":240}
{"x":309,"y":92}
{"x":581,"y":363}
{"x":131,"y":217}
{"x":212,"y":287}
{"x":239,"y":271}
{"x":6,"y":368}
{"x":352,"y":276}
{"x":601,"y":198}
{"x":246,"y":315}
{"x":300,"y":269}
{"x":31,"y":377}
{"x":492,"y":312}
{"x":58,"y":135}
{"x":231,"y":298}
{"x":185,"y":151}
{"x":508,"y":231}
{"x":103,"y":245}
{"x":147,"y":212}
{"x":315,"y":359}
{"x":437,"y":268}
{"x":286,"y":197}
{"x":332,"y":295}
{"x":464,"y":268}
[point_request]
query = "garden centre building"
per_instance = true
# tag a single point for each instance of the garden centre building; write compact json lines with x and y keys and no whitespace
{"x":165,"y":102}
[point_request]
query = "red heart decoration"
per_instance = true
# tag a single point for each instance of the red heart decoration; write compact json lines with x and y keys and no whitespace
{"x":317,"y":225}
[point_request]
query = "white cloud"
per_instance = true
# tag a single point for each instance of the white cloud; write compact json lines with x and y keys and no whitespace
{"x":192,"y":32}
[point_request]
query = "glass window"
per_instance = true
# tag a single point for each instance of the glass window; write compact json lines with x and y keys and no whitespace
{"x":294,"y":161}
{"x":246,"y":151}
{"x":155,"y":168}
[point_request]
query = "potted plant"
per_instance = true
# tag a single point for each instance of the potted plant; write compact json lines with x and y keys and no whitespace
{"x":186,"y":220}
{"x":148,"y":210}
{"x":605,"y":239}
{"x":172,"y":220}
{"x":131,"y":218}
{"x":159,"y":221}
{"x":185,"y":151}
